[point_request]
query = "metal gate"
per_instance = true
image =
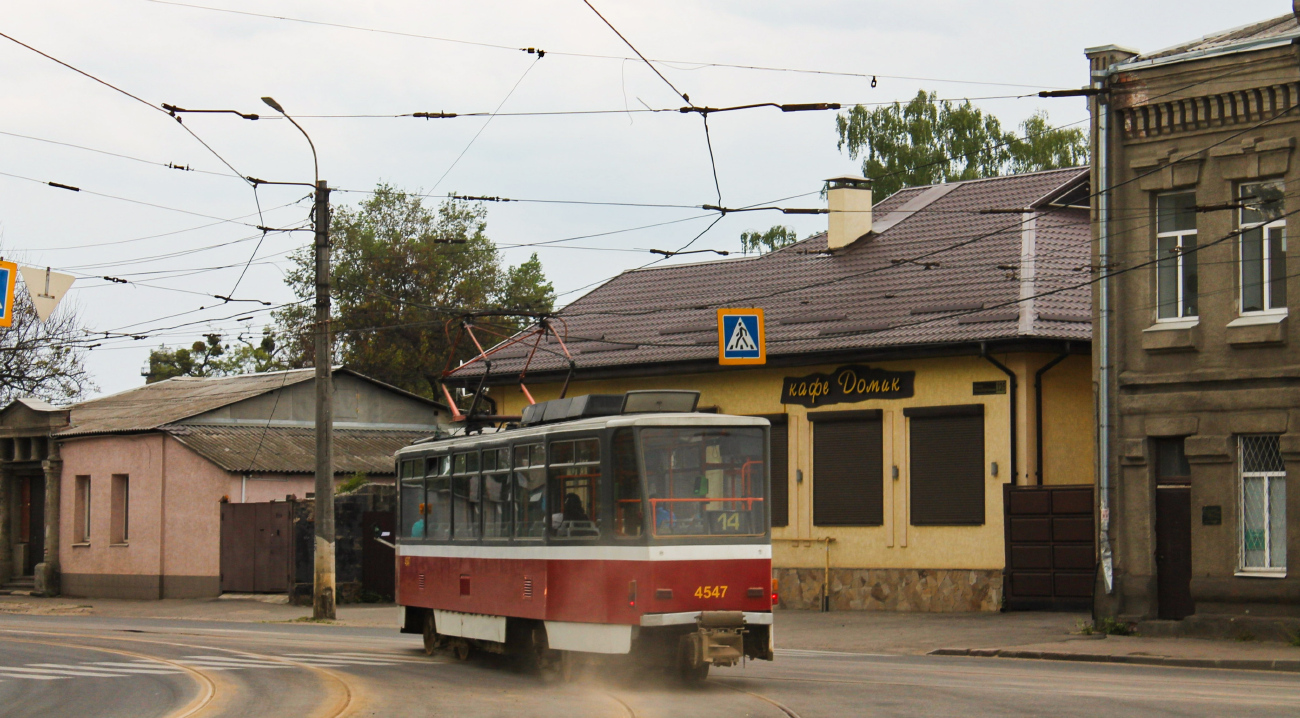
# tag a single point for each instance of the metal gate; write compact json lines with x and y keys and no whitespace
{"x":256,"y":547}
{"x":378,"y":560}
{"x":1051,"y":549}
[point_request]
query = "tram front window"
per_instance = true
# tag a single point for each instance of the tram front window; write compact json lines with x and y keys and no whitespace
{"x":705,"y":481}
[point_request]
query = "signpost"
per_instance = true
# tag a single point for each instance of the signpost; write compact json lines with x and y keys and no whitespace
{"x":8,"y":276}
{"x":741,"y":339}
{"x":46,"y":288}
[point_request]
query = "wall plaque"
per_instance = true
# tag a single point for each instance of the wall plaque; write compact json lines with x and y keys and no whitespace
{"x":847,"y":384}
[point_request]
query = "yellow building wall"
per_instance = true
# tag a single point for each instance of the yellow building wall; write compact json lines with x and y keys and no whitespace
{"x":939,"y":382}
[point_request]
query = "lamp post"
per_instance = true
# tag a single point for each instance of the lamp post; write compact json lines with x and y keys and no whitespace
{"x":323,"y":585}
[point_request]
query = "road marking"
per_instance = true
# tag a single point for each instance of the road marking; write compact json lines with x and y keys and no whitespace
{"x":207,"y":662}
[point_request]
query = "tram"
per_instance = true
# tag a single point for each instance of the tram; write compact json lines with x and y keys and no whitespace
{"x":626,"y":525}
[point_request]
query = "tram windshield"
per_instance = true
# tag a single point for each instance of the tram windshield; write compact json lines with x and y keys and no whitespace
{"x":704,"y":481}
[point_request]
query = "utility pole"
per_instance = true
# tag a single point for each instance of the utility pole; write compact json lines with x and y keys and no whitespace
{"x":323,"y":587}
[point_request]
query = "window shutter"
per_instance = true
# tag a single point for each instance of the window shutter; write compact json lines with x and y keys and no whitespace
{"x":780,"y":490}
{"x":947,"y":472}
{"x":848,"y":475}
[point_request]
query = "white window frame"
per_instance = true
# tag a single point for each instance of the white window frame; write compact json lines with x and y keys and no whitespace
{"x":1180,"y":236}
{"x":1265,"y":256}
{"x":1269,"y":477}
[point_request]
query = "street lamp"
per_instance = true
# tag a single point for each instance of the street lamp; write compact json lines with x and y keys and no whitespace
{"x":323,"y":585}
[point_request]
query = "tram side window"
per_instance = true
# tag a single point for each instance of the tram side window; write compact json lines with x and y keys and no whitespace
{"x":529,"y":491}
{"x":574,"y":499}
{"x":412,"y":500}
{"x":629,"y":517}
{"x":437,"y":519}
{"x":496,"y":493}
{"x":466,"y":493}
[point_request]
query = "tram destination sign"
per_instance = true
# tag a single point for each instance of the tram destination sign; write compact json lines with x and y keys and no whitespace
{"x":847,"y":384}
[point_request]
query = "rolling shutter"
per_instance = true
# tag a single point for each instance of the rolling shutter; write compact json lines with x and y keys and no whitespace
{"x":947,"y":472}
{"x":848,"y":471}
{"x":780,"y":491}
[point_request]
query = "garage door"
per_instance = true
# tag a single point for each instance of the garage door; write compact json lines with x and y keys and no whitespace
{"x":1051,"y":553}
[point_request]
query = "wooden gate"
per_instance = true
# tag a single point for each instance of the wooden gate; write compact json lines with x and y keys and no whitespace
{"x":1051,"y":548}
{"x":256,"y":547}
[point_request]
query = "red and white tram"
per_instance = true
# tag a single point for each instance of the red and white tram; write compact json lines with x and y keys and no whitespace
{"x":602,"y":524}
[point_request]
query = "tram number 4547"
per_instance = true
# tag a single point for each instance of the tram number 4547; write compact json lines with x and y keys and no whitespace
{"x":710,"y":591}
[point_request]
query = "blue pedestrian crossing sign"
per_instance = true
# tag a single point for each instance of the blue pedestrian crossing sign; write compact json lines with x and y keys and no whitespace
{"x":8,"y":277}
{"x":740,"y":337}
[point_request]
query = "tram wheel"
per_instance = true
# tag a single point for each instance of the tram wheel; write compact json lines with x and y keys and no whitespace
{"x":431,"y":638}
{"x":687,"y":672}
{"x":553,"y":666}
{"x":695,"y":674}
{"x":461,"y":649}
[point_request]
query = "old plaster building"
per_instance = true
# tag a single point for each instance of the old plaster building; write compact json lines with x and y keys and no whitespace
{"x":1194,"y":155}
{"x":910,"y":478}
{"x":123,"y":496}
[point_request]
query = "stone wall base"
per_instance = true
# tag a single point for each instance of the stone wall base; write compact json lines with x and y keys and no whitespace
{"x":891,"y":589}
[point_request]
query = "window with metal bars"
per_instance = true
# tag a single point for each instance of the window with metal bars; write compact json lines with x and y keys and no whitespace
{"x":1263,"y":504}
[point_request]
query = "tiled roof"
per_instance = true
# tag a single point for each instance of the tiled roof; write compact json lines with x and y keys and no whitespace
{"x":279,"y":449}
{"x":153,"y":405}
{"x":1276,"y":28}
{"x":859,"y":298}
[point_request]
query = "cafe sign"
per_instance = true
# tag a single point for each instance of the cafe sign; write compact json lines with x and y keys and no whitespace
{"x":847,"y":384}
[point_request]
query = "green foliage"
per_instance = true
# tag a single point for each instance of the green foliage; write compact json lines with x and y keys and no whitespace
{"x":928,"y":141}
{"x":216,"y":357}
{"x":1107,"y":626}
{"x":400,"y":271}
{"x":353,"y":482}
{"x":769,"y":241}
{"x":1294,"y":640}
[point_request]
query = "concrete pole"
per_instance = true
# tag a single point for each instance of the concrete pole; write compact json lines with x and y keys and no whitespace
{"x":6,"y":526}
{"x":323,"y":589}
{"x":47,"y":574}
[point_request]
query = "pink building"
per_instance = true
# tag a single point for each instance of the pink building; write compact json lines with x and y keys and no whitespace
{"x":121,"y":496}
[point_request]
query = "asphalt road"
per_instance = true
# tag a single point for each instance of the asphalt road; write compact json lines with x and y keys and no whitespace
{"x":74,"y":667}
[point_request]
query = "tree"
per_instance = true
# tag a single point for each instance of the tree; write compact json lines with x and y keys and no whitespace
{"x":401,"y":270}
{"x":769,"y":241}
{"x":216,"y":357}
{"x":43,"y":359}
{"x":928,"y":141}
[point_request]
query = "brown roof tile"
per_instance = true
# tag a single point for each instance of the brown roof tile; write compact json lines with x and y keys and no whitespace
{"x":666,"y":314}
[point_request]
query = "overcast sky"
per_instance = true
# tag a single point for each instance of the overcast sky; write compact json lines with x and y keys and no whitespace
{"x":198,"y":58}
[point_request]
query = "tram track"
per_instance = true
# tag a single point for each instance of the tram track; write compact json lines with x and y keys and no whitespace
{"x":345,"y":699}
{"x":787,"y":710}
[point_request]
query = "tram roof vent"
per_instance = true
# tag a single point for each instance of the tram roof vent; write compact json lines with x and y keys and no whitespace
{"x":589,"y":405}
{"x":577,"y":407}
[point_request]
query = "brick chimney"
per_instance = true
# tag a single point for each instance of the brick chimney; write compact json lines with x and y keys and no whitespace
{"x":849,"y":200}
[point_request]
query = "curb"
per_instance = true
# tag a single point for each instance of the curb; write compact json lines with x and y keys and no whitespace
{"x":1283,"y":665}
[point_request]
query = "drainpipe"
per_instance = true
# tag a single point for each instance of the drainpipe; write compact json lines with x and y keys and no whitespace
{"x":1011,"y":394}
{"x":1103,"y":326}
{"x":1038,"y":413}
